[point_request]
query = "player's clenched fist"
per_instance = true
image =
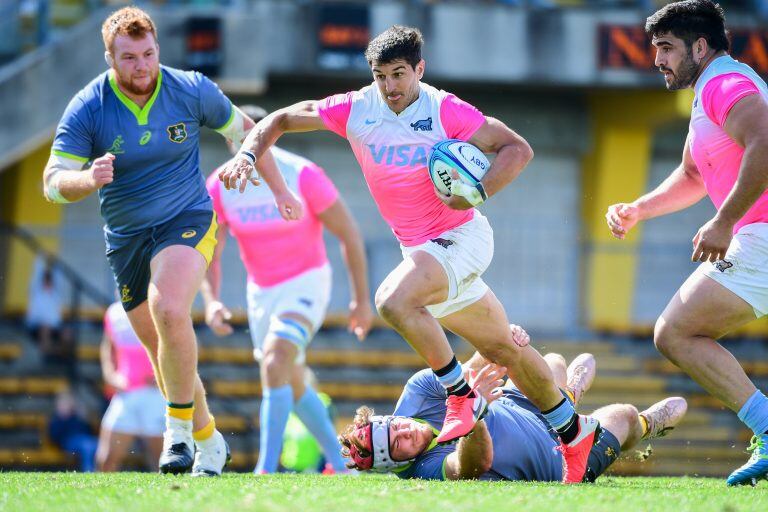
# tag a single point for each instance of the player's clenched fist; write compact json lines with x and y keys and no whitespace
{"x":621,"y":218}
{"x":102,"y":171}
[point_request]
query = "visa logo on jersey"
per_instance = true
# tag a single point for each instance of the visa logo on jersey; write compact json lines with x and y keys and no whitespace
{"x":406,"y":155}
{"x":260,"y":213}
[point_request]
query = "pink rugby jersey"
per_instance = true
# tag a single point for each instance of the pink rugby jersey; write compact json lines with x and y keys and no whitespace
{"x":132,"y":359}
{"x":393,"y":151}
{"x":717,"y":156}
{"x":272,"y":249}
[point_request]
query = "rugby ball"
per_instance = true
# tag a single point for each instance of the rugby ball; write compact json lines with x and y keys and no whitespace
{"x":456,"y":155}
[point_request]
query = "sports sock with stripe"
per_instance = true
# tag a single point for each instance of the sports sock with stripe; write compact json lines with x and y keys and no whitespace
{"x":564,"y":420}
{"x":451,"y":377}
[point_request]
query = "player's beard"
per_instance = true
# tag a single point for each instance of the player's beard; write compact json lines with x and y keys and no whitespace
{"x":134,"y":88}
{"x":685,"y":75}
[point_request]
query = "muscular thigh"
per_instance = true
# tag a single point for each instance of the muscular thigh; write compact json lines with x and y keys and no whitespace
{"x":420,"y":280}
{"x":704,"y":307}
{"x":483,"y":323}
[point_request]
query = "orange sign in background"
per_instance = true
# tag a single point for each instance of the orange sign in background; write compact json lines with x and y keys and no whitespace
{"x":628,"y":47}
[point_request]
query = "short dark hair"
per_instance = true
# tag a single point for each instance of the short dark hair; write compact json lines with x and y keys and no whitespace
{"x":395,"y":43}
{"x":255,"y":112}
{"x":689,"y":20}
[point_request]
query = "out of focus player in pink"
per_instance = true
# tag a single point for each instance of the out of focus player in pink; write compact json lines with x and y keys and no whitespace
{"x":726,"y":157}
{"x":137,"y":408}
{"x":391,"y":126}
{"x":289,"y":286}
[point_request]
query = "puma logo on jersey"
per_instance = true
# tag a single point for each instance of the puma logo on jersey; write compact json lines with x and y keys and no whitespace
{"x":424,"y":125}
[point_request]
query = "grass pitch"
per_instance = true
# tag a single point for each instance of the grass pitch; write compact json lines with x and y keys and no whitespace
{"x":306,"y":493}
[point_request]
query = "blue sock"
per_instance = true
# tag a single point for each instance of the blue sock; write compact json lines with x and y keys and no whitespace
{"x":313,"y":413}
{"x":276,"y":405}
{"x":452,"y":378}
{"x":563,"y":419}
{"x":754,"y":414}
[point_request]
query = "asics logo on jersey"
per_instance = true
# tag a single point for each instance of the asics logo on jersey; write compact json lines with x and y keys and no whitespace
{"x":424,"y":125}
{"x":116,"y":148}
{"x":406,"y":155}
{"x":145,"y":137}
{"x":189,"y":234}
{"x":177,"y":133}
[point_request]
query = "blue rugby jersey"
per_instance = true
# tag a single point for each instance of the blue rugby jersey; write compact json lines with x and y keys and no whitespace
{"x":523,"y":448}
{"x":156,"y":148}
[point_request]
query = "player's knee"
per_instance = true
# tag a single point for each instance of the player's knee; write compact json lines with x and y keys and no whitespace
{"x":277,"y":362}
{"x":388,"y":303}
{"x":630,"y":413}
{"x":555,"y":358}
{"x":664,"y":337}
{"x":168,"y":312}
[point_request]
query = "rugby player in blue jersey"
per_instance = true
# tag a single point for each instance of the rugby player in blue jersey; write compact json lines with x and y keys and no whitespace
{"x":139,"y":125}
{"x":512,"y":442}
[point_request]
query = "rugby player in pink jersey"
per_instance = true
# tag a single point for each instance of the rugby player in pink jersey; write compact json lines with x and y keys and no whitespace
{"x":137,"y":409}
{"x":289,"y":286}
{"x":391,"y":126}
{"x":726,"y":157}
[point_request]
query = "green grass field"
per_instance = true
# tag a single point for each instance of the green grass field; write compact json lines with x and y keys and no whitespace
{"x":305,"y":493}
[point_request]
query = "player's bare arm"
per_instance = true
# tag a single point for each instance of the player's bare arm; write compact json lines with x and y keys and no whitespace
{"x":747,"y":125}
{"x":217,"y":315}
{"x":512,"y":153}
{"x":300,"y":117}
{"x":474,"y":453}
{"x":64,"y":181}
{"x":290,"y":207}
{"x":340,"y":223}
{"x":108,"y":366}
{"x":681,"y":189}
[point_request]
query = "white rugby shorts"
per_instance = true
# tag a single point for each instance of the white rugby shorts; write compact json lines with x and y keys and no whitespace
{"x":138,"y":412}
{"x":307,"y":295}
{"x":744,"y":270}
{"x":465,"y":253}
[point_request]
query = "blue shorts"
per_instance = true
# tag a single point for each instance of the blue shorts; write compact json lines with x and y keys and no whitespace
{"x":605,"y":451}
{"x":130,"y":257}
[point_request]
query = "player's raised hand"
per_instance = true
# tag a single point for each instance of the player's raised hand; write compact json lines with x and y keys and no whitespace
{"x":217,"y":316}
{"x":488,"y":381}
{"x":289,"y":206}
{"x":621,"y":218}
{"x":102,"y":171}
{"x":360,"y":319}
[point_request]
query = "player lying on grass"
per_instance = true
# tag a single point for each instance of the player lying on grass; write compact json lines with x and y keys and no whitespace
{"x":512,"y":442}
